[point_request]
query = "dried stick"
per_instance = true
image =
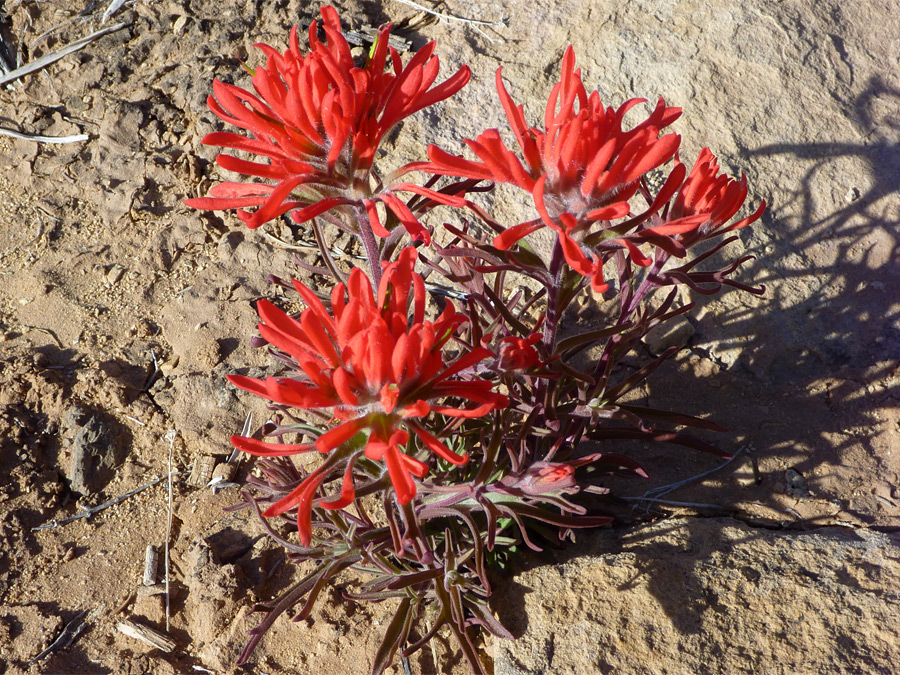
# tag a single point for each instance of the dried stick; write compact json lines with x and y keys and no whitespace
{"x":44,"y":139}
{"x":655,"y":494}
{"x":146,"y":635}
{"x":170,"y":436}
{"x":452,"y":17}
{"x":53,"y":57}
{"x":87,"y":513}
{"x":151,"y":563}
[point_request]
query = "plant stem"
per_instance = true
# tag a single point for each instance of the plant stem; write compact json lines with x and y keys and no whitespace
{"x":647,"y":284}
{"x":554,"y":314}
{"x":370,"y":244}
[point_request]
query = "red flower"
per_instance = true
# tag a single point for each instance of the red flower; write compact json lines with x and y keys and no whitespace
{"x":714,"y":198}
{"x":519,"y":353}
{"x":318,"y":120}
{"x":376,"y":370}
{"x":581,"y":170}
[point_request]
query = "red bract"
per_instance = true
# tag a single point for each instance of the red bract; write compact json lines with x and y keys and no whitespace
{"x":581,"y":169}
{"x":318,"y":120}
{"x":713,"y":197}
{"x":376,"y":369}
{"x":519,"y":353}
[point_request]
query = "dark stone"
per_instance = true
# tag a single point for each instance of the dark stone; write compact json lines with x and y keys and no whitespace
{"x":94,"y":452}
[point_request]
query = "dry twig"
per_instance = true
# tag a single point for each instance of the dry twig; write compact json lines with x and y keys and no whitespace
{"x":87,"y":513}
{"x":147,"y":635}
{"x":170,"y":436}
{"x":443,"y":16}
{"x":44,"y":139}
{"x":53,"y":57}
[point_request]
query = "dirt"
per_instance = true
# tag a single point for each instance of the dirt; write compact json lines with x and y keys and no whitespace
{"x":121,"y":312}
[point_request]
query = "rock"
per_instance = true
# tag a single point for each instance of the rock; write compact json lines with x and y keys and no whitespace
{"x":94,"y":452}
{"x":674,"y":333}
{"x":707,"y":595}
{"x":796,"y":484}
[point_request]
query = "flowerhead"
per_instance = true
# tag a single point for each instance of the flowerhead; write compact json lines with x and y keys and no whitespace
{"x":582,"y":168}
{"x":377,"y":370}
{"x":519,"y":353}
{"x":712,"y":197}
{"x":317,"y":120}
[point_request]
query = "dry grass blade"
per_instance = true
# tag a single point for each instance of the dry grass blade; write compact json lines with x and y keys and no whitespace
{"x":234,"y":457}
{"x":44,"y":139}
{"x":443,"y":16}
{"x":655,"y":495}
{"x":170,"y":436}
{"x":5,"y":64}
{"x":53,"y":57}
{"x":114,"y":7}
{"x":69,"y":634}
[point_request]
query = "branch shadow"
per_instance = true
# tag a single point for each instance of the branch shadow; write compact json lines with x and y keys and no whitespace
{"x":806,"y":378}
{"x":814,"y":389}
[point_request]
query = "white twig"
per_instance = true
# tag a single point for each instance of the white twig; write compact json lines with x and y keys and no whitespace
{"x":451,"y":17}
{"x":146,"y":635}
{"x":655,"y":494}
{"x":114,"y":7}
{"x":170,"y":436}
{"x":53,"y":57}
{"x":44,"y":139}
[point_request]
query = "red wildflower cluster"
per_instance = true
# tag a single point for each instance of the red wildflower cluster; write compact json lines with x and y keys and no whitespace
{"x":318,"y":120}
{"x":583,"y":169}
{"x":386,"y":395}
{"x":375,"y":371}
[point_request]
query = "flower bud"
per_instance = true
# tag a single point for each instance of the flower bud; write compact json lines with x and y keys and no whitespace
{"x":542,"y":477}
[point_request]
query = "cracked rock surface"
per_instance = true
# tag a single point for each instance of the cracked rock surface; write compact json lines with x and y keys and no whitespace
{"x":707,"y":595}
